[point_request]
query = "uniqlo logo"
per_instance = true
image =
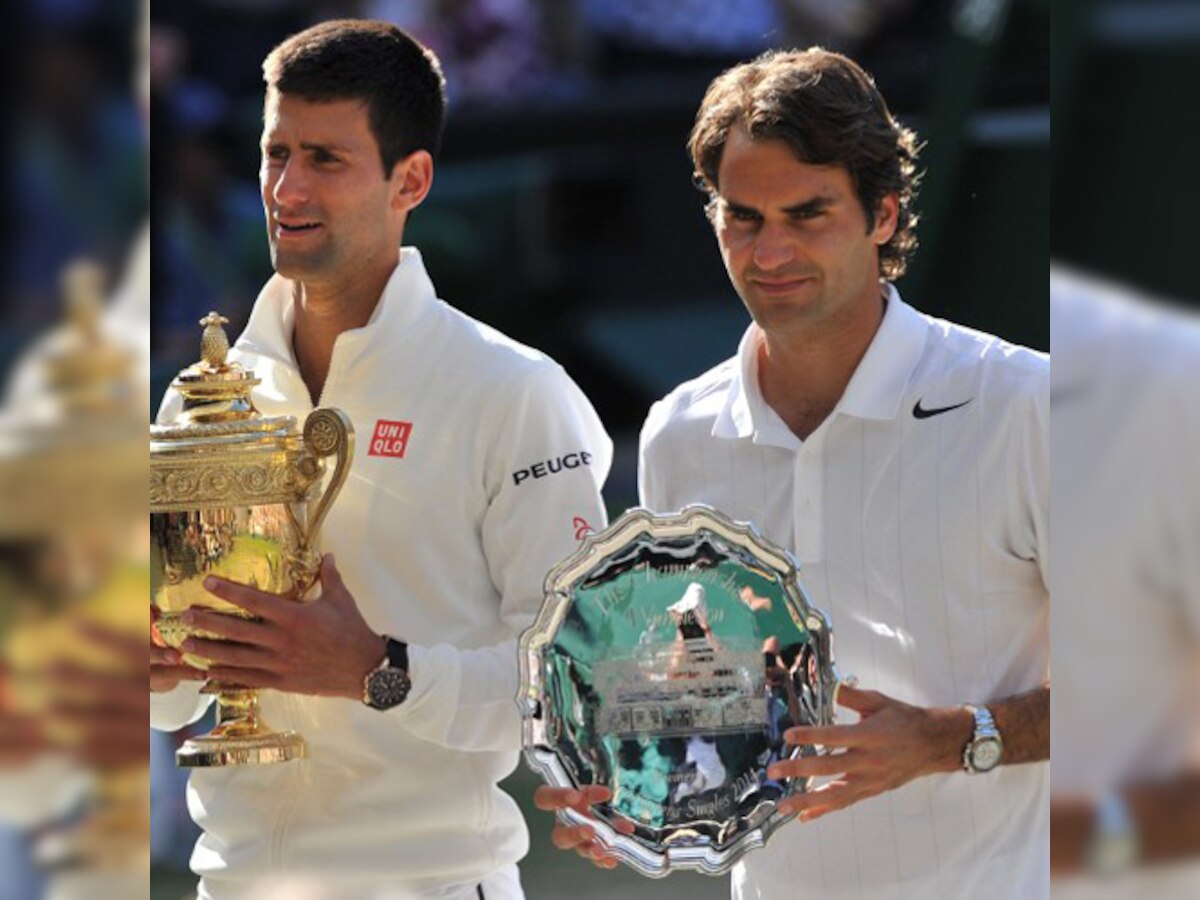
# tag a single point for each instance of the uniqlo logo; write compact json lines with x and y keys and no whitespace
{"x":391,"y":438}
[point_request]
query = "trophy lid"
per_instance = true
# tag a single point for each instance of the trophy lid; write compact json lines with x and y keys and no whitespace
{"x":71,"y":425}
{"x":219,"y":449}
{"x":215,"y":389}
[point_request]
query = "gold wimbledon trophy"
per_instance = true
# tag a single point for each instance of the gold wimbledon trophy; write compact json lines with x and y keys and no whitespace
{"x":230,"y":493}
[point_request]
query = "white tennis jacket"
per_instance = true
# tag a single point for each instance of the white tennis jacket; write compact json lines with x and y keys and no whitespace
{"x":478,"y":466}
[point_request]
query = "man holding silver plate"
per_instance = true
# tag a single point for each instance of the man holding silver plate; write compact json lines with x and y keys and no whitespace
{"x":904,"y":461}
{"x":476,"y":461}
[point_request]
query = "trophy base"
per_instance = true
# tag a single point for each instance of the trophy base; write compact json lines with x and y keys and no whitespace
{"x":257,"y":749}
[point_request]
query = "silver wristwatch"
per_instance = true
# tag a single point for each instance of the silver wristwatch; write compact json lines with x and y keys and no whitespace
{"x":985,"y":748}
{"x":1114,"y":846}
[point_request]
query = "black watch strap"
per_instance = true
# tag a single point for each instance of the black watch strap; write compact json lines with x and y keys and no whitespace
{"x":397,"y":653}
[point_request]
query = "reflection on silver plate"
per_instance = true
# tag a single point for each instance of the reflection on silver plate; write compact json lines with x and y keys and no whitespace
{"x":669,"y":657}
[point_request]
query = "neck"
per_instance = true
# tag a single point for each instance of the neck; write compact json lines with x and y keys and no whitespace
{"x":323,"y":311}
{"x":803,"y":374}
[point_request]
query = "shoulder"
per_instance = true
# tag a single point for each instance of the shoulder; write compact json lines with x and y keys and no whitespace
{"x":693,"y":405}
{"x":486,"y":356}
{"x":1000,"y":369}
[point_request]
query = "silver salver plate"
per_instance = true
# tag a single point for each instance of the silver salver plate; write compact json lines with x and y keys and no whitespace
{"x":670,"y":655}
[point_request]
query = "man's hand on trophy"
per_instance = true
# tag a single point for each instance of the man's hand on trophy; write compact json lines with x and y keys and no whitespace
{"x":167,"y":667}
{"x":580,"y":838}
{"x":22,"y":736}
{"x":891,"y":744}
{"x":321,"y":647}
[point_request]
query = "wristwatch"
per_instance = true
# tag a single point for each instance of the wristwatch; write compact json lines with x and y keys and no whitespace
{"x":984,"y":749}
{"x":1114,"y":846}
{"x":388,"y":683}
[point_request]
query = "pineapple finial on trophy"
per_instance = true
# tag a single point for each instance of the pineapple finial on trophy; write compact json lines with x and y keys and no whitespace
{"x":215,"y":389}
{"x":83,"y":287}
{"x":214,"y":342}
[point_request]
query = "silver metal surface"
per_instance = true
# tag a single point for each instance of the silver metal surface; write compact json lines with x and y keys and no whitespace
{"x":669,"y":657}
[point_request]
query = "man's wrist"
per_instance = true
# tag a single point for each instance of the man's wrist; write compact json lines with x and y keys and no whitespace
{"x":388,"y":684}
{"x":950,"y":729}
{"x":372,"y":650}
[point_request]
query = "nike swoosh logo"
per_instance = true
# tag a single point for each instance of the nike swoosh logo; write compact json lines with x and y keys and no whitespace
{"x":919,"y":412}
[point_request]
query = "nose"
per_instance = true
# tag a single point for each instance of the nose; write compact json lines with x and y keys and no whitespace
{"x":287,"y":185}
{"x":774,"y":246}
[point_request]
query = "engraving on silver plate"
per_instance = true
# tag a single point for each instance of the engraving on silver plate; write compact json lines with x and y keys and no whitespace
{"x":669,"y":657}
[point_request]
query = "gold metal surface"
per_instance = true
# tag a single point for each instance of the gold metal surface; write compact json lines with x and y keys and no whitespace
{"x":72,"y":551}
{"x":237,"y":495}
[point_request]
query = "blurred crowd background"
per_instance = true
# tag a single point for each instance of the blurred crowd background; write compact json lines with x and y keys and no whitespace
{"x":562,"y":213}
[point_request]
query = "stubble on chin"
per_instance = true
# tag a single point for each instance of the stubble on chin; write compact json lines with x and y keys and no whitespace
{"x":297,"y":266}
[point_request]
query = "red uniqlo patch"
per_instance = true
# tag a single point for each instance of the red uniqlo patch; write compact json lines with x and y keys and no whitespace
{"x":391,"y":438}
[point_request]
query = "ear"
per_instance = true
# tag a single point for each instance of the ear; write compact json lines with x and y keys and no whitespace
{"x":412,"y":177}
{"x":886,"y":218}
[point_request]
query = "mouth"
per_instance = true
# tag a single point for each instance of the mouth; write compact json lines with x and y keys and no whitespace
{"x":775,"y":287}
{"x":295,"y":229}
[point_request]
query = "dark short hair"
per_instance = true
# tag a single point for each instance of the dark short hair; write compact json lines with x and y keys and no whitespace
{"x":828,"y":110}
{"x":400,"y":80}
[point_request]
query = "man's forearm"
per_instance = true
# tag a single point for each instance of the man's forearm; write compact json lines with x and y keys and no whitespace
{"x":1024,"y":723}
{"x":1167,"y":817}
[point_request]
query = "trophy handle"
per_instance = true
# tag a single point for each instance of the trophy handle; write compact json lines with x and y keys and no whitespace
{"x":327,"y":432}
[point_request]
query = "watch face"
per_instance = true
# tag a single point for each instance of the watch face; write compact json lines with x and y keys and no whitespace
{"x":1112,"y":854}
{"x":388,"y":687}
{"x":985,"y":754}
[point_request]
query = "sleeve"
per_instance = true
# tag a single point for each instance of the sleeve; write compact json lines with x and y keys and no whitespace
{"x":1178,"y":477}
{"x":465,"y":698}
{"x":1030,"y":514}
{"x":175,"y":709}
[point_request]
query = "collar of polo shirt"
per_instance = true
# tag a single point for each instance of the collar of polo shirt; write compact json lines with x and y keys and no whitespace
{"x":874,"y":392}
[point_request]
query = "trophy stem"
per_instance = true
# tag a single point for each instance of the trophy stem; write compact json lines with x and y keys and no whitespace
{"x":241,"y":735}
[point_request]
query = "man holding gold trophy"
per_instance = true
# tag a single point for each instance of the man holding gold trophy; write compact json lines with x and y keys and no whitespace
{"x":904,"y":461}
{"x":475,"y":457}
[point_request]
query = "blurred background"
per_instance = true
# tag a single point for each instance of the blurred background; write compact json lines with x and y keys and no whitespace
{"x":562,"y":212}
{"x":74,"y":364}
{"x":1125,"y":771}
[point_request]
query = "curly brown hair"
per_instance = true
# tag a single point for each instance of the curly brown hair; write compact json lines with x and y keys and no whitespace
{"x":828,"y":110}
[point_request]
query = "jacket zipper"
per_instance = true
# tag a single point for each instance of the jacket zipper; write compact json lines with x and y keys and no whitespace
{"x":333,"y":359}
{"x":286,"y":809}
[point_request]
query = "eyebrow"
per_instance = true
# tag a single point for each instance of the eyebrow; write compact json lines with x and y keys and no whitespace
{"x":807,"y":207}
{"x":310,"y":146}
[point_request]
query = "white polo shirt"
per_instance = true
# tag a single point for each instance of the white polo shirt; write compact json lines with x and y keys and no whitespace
{"x":919,"y":513}
{"x":478,"y":464}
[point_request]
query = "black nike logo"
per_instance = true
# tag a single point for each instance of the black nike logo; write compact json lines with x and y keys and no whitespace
{"x":920,"y":412}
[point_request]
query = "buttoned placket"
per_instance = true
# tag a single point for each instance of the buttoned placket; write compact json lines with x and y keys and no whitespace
{"x":808,"y":497}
